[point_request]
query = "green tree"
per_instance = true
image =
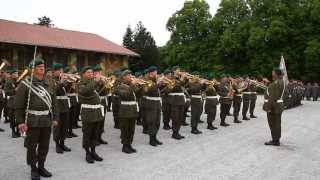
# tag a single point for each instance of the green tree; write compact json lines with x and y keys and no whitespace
{"x":45,"y":21}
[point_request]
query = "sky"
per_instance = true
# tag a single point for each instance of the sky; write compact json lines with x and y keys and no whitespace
{"x":107,"y":18}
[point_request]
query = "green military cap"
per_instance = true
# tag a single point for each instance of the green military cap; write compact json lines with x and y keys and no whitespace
{"x":57,"y":66}
{"x":66,"y":69}
{"x":97,"y":68}
{"x":167,"y":71}
{"x":152,"y":69}
{"x":125,"y":72}
{"x":86,"y":68}
{"x":36,"y":62}
{"x":137,"y":74}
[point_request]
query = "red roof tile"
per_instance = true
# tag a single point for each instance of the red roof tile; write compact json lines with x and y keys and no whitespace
{"x":29,"y":34}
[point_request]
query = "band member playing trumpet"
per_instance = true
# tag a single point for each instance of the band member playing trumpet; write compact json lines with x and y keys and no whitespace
{"x":211,"y":103}
{"x":226,"y":95}
{"x":103,"y":92}
{"x":59,"y":83}
{"x":195,"y":88}
{"x":128,"y":109}
{"x":35,"y":113}
{"x":91,"y":113}
{"x":237,"y":98}
{"x":152,"y":106}
{"x":10,"y":91}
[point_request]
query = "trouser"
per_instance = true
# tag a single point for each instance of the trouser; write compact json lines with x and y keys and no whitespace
{"x":59,"y":132}
{"x":90,"y":135}
{"x":2,"y":103}
{"x":115,"y":112}
{"x":37,"y":144}
{"x":166,"y":113}
{"x":274,"y":121}
{"x":236,"y":108}
{"x":5,"y":110}
{"x":245,"y":107}
{"x":211,"y":115}
{"x":109,"y":101}
{"x":127,"y":127}
{"x":177,"y":116}
{"x":224,"y":110}
{"x":196,"y":111}
{"x":153,"y":117}
{"x":12,"y":119}
{"x":73,"y":116}
{"x":252,"y":105}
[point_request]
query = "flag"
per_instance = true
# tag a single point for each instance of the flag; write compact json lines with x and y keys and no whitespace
{"x":284,"y":69}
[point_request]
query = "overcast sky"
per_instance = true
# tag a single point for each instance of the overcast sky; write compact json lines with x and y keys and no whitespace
{"x":108,"y":18}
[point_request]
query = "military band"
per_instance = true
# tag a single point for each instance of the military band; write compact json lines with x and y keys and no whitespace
{"x":62,"y":98}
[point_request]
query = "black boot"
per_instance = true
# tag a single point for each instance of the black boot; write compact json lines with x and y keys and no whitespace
{"x":185,"y":123}
{"x":245,"y":118}
{"x":195,"y":131}
{"x":253,"y":116}
{"x":152,"y":141}
{"x":157,"y":141}
{"x":59,"y":149}
{"x":211,"y":127}
{"x":14,"y":134}
{"x":64,"y":147}
{"x":139,"y":122}
{"x":126,"y":149}
{"x":272,"y":143}
{"x":43,"y":171}
{"x":1,"y":130}
{"x":175,"y":135}
{"x":34,"y":173}
{"x":236,"y":120}
{"x":224,"y":124}
{"x":200,"y":121}
{"x":89,"y":157}
{"x":166,"y":126}
{"x":94,"y":155}
{"x":72,"y":134}
{"x":102,"y":141}
{"x":132,"y":149}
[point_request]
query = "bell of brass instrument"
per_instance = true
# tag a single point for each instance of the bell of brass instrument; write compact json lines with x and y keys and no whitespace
{"x":3,"y":64}
{"x":70,"y":77}
{"x":258,"y":84}
{"x":23,"y":75}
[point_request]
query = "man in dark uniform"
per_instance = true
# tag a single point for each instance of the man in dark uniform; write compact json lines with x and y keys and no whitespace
{"x":91,"y":113}
{"x":195,"y":89}
{"x":177,"y":101}
{"x":103,"y":92}
{"x":152,"y":105}
{"x":165,"y":101}
{"x":128,"y":110}
{"x":211,"y":104}
{"x":274,"y":107}
{"x":116,"y":101}
{"x":237,"y":99}
{"x":10,"y":91}
{"x":59,"y":84}
{"x":226,"y":95}
{"x":35,"y":113}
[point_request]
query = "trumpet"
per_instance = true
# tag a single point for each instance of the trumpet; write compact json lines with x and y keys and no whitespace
{"x":258,"y":84}
{"x":70,"y":77}
{"x":170,"y":83}
{"x":3,"y":64}
{"x":23,"y":75}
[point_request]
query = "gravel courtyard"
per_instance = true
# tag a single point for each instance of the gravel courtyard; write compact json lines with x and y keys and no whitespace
{"x":235,"y":152}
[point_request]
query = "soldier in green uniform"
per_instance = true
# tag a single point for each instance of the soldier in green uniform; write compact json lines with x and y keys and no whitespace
{"x":59,"y":84}
{"x":103,"y":92}
{"x":237,"y":99}
{"x":195,"y":88}
{"x":177,"y":101}
{"x":211,"y":104}
{"x":36,"y":113}
{"x":128,"y":109}
{"x":152,"y":105}
{"x":246,"y":97}
{"x":225,"y":92}
{"x":91,"y":113}
{"x":10,"y":91}
{"x":274,"y":107}
{"x":253,"y":99}
{"x":116,"y":101}
{"x":142,"y":105}
{"x":165,"y":101}
{"x":139,"y":99}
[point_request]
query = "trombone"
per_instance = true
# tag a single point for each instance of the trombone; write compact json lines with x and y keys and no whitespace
{"x":258,"y":84}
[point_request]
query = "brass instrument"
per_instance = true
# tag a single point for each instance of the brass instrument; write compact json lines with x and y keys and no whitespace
{"x":3,"y":64}
{"x":258,"y":84}
{"x":170,"y":83}
{"x":70,"y":77}
{"x":23,"y":75}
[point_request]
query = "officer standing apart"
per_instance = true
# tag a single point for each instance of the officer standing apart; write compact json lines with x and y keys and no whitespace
{"x":91,"y":113}
{"x":274,"y":107}
{"x":40,"y":116}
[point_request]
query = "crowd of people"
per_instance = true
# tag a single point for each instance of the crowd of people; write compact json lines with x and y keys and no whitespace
{"x":63,"y":99}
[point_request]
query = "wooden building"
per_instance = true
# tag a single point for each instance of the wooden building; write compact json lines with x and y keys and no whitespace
{"x":71,"y":48}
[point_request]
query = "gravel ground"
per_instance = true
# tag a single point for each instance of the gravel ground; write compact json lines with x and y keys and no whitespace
{"x":235,"y":152}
